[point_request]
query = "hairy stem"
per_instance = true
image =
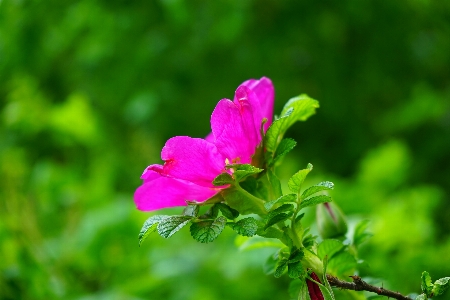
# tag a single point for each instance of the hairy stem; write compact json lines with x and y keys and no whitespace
{"x":360,"y":285}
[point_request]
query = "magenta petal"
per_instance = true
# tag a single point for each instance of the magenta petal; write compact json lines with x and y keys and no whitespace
{"x":164,"y":192}
{"x":230,"y":134}
{"x":264,"y":92}
{"x":192,"y":159}
{"x":152,"y":172}
{"x":251,"y":118}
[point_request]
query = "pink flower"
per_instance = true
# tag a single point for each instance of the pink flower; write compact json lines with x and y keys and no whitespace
{"x":191,"y":164}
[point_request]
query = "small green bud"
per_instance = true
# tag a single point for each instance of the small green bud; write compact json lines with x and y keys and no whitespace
{"x":312,"y":261}
{"x":330,"y":221}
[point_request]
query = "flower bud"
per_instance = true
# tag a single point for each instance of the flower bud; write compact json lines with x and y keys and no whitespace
{"x":313,"y":288}
{"x":330,"y":221}
{"x":312,"y":261}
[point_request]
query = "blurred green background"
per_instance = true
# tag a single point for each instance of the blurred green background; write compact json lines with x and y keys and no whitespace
{"x":91,"y":90}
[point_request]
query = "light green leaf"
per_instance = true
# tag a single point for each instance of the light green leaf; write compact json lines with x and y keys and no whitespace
{"x":243,"y":170}
{"x":422,"y":297}
{"x":285,"y":146}
{"x":169,"y":226}
{"x":150,"y":226}
{"x":314,"y":201}
{"x":191,"y":210}
{"x":223,"y":179}
{"x":270,"y":233}
{"x":322,"y":186}
{"x":275,"y":183}
{"x":228,"y":212}
{"x":440,"y":286}
{"x":257,"y":242}
{"x":270,"y":264}
{"x":245,"y":227}
{"x":342,"y":263}
{"x":296,"y":181}
{"x":283,"y":199}
{"x":275,"y":131}
{"x":242,"y":201}
{"x":296,"y":270}
{"x":303,"y":107}
{"x":208,"y":230}
{"x":360,"y":235}
{"x":426,"y":284}
{"x":328,"y":248}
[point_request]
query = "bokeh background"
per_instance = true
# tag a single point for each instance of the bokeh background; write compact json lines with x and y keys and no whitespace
{"x":90,"y":91}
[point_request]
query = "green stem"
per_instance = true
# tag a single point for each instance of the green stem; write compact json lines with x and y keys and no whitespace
{"x":259,"y":203}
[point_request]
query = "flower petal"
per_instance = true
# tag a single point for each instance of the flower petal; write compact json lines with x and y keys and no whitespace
{"x":192,"y":159}
{"x":164,"y":192}
{"x":231,"y":137}
{"x":263,"y":102}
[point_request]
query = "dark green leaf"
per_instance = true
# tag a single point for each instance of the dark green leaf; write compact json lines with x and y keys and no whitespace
{"x":191,"y":210}
{"x":275,"y":131}
{"x":440,"y":286}
{"x":281,"y":268}
{"x":223,"y":179}
{"x":208,"y":230}
{"x":270,"y":233}
{"x":360,"y":234}
{"x":322,"y":186}
{"x":303,"y":107}
{"x":315,"y":200}
{"x":296,"y":255}
{"x":296,"y":181}
{"x":150,"y":226}
{"x":245,"y":227}
{"x":299,"y":218}
{"x":285,"y":146}
{"x":168,"y":226}
{"x":328,"y":248}
{"x":296,"y":270}
{"x":309,"y":241}
{"x":283,"y":199}
{"x":228,"y":212}
{"x":283,"y":208}
{"x":276,"y":219}
{"x":426,"y":284}
{"x":243,"y":201}
{"x":211,"y":213}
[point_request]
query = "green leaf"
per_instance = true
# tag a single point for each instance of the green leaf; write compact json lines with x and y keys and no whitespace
{"x":270,"y":233}
{"x":169,"y":226}
{"x":257,"y":242}
{"x":322,"y":186}
{"x":270,"y":265}
{"x":243,"y":170}
{"x":314,"y":201}
{"x":296,"y":270}
{"x":296,"y":255}
{"x":422,"y":297}
{"x":328,"y":248}
{"x":296,"y":181}
{"x":360,"y":234}
{"x":283,"y":199}
{"x":309,"y":241}
{"x":191,"y":210}
{"x":276,"y":219}
{"x":440,"y":286}
{"x":303,"y":107}
{"x":150,"y":226}
{"x":223,"y":179}
{"x":228,"y":212}
{"x":245,"y":227}
{"x":285,"y":146}
{"x":426,"y":284}
{"x":342,"y":263}
{"x":281,"y":268}
{"x":208,"y":230}
{"x":243,"y":201}
{"x":275,"y":131}
{"x":211,"y":213}
{"x":275,"y":183}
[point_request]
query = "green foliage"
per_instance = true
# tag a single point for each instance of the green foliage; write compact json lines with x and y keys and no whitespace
{"x":246,"y":227}
{"x":285,"y":146}
{"x":302,"y":106}
{"x":322,"y":186}
{"x":314,"y":201}
{"x":328,"y":248}
{"x":150,"y":226}
{"x":170,"y":225}
{"x":208,"y":230}
{"x":223,"y":179}
{"x":426,"y":284}
{"x":244,"y":170}
{"x":274,"y":132}
{"x":440,"y":286}
{"x":292,"y":198}
{"x":227,"y":211}
{"x":296,"y":181}
{"x":360,"y":234}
